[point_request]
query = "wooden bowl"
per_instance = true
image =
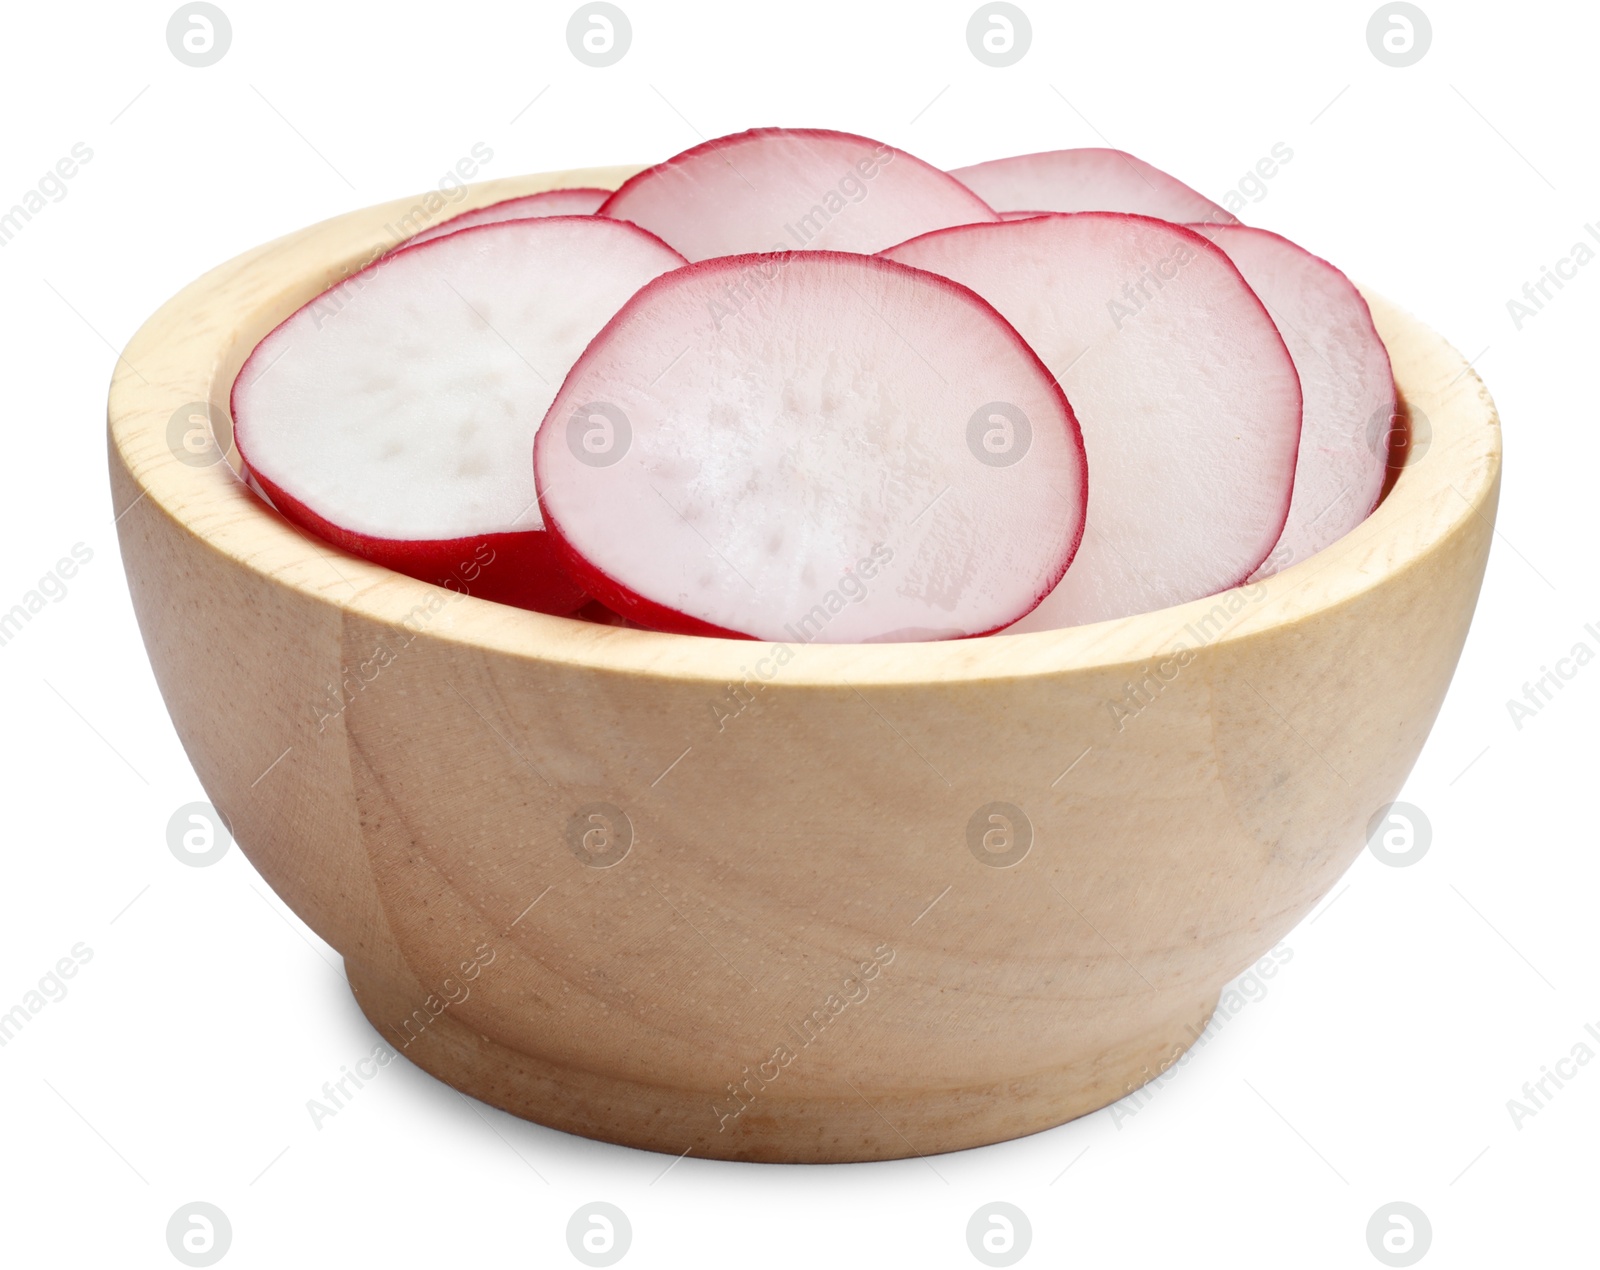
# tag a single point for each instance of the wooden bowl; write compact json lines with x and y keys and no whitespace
{"x":795,"y":903}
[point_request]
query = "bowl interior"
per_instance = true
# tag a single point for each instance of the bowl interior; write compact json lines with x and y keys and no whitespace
{"x":191,"y":350}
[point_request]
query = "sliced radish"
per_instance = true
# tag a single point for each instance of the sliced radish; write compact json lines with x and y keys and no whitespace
{"x":1344,"y":373}
{"x":782,"y":189}
{"x":577,"y":201}
{"x":812,"y":447}
{"x":394,"y":415}
{"x":1188,"y":398}
{"x":1089,"y":180}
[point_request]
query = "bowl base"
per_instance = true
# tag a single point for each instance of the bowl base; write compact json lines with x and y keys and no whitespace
{"x":859,"y":1125}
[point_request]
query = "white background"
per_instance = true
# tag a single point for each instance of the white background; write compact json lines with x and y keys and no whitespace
{"x":1418,"y":1000}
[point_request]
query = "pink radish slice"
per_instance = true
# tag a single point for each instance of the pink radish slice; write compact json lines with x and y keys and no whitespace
{"x":394,"y":415}
{"x":1089,"y":180}
{"x":577,"y":201}
{"x":1345,"y":375}
{"x":812,"y":447}
{"x":781,"y":189}
{"x":1187,"y":396}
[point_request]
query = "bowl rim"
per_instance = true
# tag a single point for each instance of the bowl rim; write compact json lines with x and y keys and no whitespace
{"x":192,"y":347}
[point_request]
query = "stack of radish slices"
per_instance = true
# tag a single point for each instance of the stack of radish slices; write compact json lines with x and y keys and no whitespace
{"x":798,"y":385}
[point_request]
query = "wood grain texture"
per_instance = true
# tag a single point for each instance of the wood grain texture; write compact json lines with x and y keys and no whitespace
{"x":404,"y":765}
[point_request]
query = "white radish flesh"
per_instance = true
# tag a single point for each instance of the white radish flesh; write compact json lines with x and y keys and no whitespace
{"x":399,"y":408}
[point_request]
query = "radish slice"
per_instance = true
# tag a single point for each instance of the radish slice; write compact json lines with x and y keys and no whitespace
{"x":1188,"y":398}
{"x":812,"y":447}
{"x":394,"y":415}
{"x":781,"y":189}
{"x":577,"y":201}
{"x":1345,"y":374}
{"x":1089,"y":180}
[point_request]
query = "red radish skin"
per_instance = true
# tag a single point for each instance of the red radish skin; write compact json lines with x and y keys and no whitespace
{"x":1187,"y":396}
{"x":576,"y":201}
{"x":1345,"y":375}
{"x":812,"y":447}
{"x":631,"y":607}
{"x":783,"y":189}
{"x":394,"y":415}
{"x":597,"y":613}
{"x":521,"y":569}
{"x":1088,"y":180}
